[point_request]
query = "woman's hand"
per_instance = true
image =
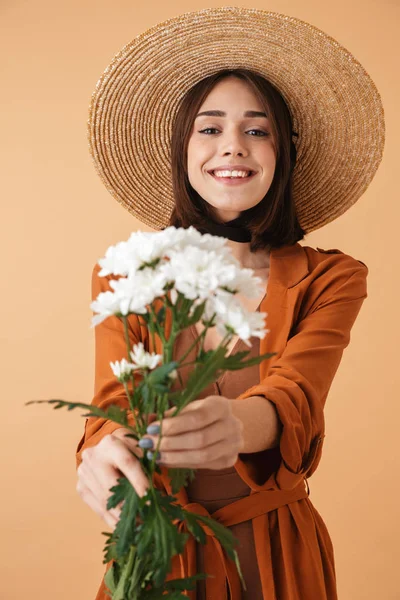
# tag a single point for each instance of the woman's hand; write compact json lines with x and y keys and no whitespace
{"x":101,"y":467}
{"x":205,"y":435}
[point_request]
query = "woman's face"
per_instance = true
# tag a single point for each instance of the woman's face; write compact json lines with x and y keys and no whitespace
{"x":230,"y":139}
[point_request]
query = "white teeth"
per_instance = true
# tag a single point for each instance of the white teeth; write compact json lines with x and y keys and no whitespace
{"x":231,"y":173}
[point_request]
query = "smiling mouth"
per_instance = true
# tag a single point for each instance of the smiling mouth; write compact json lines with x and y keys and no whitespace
{"x":250,"y":174}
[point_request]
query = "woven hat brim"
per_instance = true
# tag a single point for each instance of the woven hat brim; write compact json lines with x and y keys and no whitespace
{"x":336,"y":108}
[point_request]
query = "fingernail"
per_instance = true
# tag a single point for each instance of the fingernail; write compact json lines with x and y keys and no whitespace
{"x":146,"y":443}
{"x":150,"y":455}
{"x":153,"y":429}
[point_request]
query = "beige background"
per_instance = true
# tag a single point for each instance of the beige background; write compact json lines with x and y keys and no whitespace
{"x":58,"y":219}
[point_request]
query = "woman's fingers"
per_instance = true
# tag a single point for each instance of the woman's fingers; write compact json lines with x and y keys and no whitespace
{"x":129,"y":442}
{"x":91,"y":499}
{"x":101,"y":467}
{"x":205,"y":433}
{"x":218,"y":455}
{"x":96,"y":482}
{"x":197,"y":414}
{"x":193,"y":440}
{"x":116,"y":452}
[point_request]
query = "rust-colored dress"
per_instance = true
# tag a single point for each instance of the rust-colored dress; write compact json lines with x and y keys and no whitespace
{"x":215,"y":489}
{"x":312,"y":302}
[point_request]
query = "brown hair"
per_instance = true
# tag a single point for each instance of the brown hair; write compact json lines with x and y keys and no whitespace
{"x":273,"y":221}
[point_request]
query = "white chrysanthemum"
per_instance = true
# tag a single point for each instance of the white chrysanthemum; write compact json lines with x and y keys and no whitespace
{"x":198,"y":266}
{"x":142,"y":359}
{"x":230,"y":313}
{"x":131,"y":295}
{"x":138,"y":290}
{"x":181,"y":238}
{"x":116,"y":261}
{"x":192,"y":238}
{"x":148,"y":247}
{"x":245,"y":283}
{"x":176,"y":237}
{"x":143,"y":248}
{"x":127,"y":257}
{"x":121,"y":369}
{"x":197,"y":273}
{"x":106,"y":305}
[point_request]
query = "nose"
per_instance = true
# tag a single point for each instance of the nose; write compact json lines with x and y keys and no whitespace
{"x":233,"y":143}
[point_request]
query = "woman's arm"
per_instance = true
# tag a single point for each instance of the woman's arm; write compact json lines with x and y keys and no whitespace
{"x":261,"y":425}
{"x":298,"y":380}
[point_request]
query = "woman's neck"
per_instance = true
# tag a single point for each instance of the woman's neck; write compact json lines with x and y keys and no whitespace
{"x":257,"y":260}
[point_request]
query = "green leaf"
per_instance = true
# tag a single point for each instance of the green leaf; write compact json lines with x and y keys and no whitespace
{"x":180,"y":478}
{"x":160,"y":374}
{"x":109,"y":548}
{"x":125,"y":528}
{"x":173,"y":587}
{"x":187,"y":583}
{"x":161,"y":388}
{"x":201,"y":376}
{"x":109,"y":552}
{"x":237,"y":563}
{"x":121,"y":541}
{"x":223,"y":534}
{"x":120,"y":491}
{"x":197,"y":314}
{"x":109,"y":579}
{"x":158,"y":537}
{"x":145,"y":393}
{"x":195,"y":529}
{"x":171,"y":507}
{"x":114,"y":413}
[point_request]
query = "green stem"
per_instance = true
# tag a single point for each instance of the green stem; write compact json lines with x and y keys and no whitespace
{"x":202,"y":335}
{"x":155,"y":326}
{"x":127,"y":340}
{"x":135,"y":580}
{"x":125,"y":575}
{"x":128,"y":349}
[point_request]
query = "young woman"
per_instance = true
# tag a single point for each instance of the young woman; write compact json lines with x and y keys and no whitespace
{"x":255,"y":435}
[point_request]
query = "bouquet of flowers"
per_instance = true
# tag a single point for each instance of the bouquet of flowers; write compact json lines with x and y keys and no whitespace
{"x":196,"y":277}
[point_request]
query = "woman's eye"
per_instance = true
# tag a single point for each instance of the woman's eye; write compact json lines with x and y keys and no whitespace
{"x":259,"y":131}
{"x":207,"y":129}
{"x":264,"y":133}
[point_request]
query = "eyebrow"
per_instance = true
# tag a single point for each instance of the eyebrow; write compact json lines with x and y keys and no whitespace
{"x":221,"y":113}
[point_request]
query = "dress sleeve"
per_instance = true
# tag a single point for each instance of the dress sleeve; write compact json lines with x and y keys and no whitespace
{"x":110,"y":345}
{"x":298,"y":382}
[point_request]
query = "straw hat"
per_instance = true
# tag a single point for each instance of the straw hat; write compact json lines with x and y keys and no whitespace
{"x":335,"y":106}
